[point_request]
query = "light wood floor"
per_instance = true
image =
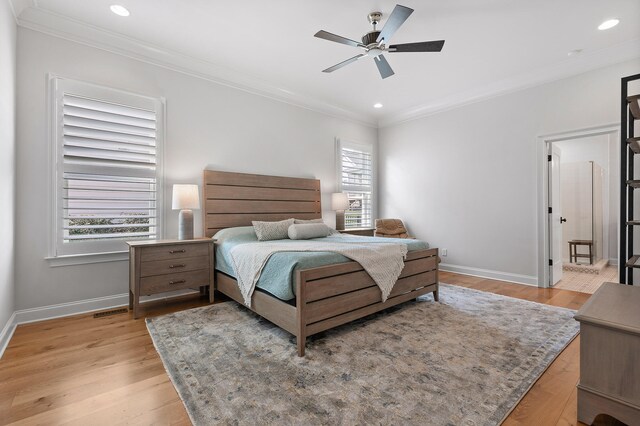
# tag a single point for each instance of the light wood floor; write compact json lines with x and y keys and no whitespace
{"x":86,"y":371}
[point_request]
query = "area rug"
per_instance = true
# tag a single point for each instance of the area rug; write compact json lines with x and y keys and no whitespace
{"x":466,"y":360}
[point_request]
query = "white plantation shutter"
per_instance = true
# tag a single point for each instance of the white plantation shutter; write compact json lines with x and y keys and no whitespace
{"x":356,"y":176}
{"x":107,"y":168}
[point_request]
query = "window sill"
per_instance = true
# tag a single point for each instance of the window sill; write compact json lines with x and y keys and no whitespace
{"x":84,"y":259}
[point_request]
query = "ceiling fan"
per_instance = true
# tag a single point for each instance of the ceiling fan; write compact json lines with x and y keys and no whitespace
{"x":375,"y":42}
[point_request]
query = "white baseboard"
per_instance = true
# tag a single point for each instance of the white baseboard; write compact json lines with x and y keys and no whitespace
{"x":7,"y":333}
{"x":25,"y":316}
{"x":531,"y":280}
{"x":613,"y":262}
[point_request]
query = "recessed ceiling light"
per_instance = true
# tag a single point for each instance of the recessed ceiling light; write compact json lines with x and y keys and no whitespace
{"x":119,"y":10}
{"x":378,"y":105}
{"x":574,"y":52}
{"x":610,"y":23}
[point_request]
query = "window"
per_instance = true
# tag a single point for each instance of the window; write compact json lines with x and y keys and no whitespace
{"x":355,"y":165}
{"x":106,"y":168}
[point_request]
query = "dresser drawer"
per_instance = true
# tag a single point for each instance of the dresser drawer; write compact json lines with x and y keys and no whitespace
{"x":177,"y":281}
{"x":176,"y":251}
{"x":180,"y":264}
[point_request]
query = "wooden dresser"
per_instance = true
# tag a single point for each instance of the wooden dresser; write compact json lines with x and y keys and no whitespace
{"x":158,"y":266}
{"x":610,"y":354}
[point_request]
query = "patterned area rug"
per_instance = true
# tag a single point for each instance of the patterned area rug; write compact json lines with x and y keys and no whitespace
{"x":466,"y":360}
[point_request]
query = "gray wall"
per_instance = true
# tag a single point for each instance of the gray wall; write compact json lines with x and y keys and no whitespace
{"x":466,"y":179}
{"x":7,"y":159}
{"x":208,"y":125}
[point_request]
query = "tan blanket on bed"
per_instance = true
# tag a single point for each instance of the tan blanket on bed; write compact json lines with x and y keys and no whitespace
{"x":382,"y":261}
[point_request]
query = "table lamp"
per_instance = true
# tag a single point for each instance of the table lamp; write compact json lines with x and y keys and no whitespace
{"x":339,"y":203}
{"x":185,"y":198}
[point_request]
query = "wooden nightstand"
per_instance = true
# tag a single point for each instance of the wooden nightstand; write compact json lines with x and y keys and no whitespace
{"x":364,"y":232}
{"x":157,"y":266}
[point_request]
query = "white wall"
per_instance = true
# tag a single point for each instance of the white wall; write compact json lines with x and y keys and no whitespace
{"x":7,"y":161}
{"x":465,"y":179}
{"x":208,"y":126}
{"x":603,"y":151}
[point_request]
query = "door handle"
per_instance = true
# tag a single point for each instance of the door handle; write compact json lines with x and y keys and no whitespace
{"x":562,"y":219}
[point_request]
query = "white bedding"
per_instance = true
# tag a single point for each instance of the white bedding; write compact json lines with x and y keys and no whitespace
{"x":381,"y":260}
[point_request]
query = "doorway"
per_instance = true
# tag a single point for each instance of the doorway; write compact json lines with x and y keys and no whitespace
{"x":581,"y":200}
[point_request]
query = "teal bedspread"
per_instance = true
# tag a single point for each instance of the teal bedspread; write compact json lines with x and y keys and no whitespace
{"x":277,"y":277}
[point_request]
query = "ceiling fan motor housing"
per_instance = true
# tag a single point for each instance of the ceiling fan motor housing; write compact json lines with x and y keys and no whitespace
{"x":370,"y":38}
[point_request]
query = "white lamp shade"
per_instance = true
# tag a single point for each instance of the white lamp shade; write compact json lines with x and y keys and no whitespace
{"x":185,"y":197}
{"x":339,"y":201}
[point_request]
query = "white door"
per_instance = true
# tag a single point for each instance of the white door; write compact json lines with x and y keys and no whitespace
{"x":555,"y":217}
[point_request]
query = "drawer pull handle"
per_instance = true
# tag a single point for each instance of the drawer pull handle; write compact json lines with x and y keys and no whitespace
{"x":177,"y":266}
{"x":176,"y":251}
{"x":177,"y":282}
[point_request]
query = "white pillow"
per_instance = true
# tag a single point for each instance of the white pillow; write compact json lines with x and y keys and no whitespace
{"x":266,"y":231}
{"x":305,"y":231}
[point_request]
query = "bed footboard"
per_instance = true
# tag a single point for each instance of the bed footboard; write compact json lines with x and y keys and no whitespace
{"x":333,"y":295}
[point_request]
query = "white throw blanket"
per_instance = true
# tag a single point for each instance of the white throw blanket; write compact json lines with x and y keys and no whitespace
{"x":382,"y":261}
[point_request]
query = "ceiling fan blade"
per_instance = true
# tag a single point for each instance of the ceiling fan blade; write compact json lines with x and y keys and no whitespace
{"x":343,"y":63}
{"x":383,"y":66}
{"x":395,"y":21}
{"x":338,"y":39}
{"x":425,"y":46}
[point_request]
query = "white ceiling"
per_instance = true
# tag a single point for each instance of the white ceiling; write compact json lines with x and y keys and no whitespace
{"x":491,"y":45}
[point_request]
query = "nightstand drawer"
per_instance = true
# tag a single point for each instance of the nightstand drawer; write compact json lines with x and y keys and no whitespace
{"x":176,"y":251}
{"x":181,"y":264}
{"x":170,"y":282}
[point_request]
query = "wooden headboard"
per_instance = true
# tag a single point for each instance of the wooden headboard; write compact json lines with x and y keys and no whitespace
{"x":235,"y":199}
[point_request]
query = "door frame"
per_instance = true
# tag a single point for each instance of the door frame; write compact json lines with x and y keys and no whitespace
{"x":542,"y":143}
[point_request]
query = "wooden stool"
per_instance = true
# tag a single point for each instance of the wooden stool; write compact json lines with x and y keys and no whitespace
{"x":573,"y":250}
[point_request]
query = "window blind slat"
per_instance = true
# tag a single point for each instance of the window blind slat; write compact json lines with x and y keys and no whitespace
{"x":109,"y":146}
{"x":100,"y":154}
{"x":111,"y":216}
{"x":98,"y":198}
{"x":110,"y":167}
{"x":107,"y":117}
{"x":87,"y":177}
{"x":79,"y":188}
{"x":98,"y":105}
{"x":106,"y":126}
{"x":71,"y":131}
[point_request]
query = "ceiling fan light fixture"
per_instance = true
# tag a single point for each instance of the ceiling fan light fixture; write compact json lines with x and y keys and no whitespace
{"x":609,"y":23}
{"x":374,"y":42}
{"x":120,"y":10}
{"x":377,"y":105}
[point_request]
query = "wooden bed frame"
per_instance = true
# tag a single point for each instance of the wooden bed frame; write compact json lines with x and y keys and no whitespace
{"x":326,"y":296}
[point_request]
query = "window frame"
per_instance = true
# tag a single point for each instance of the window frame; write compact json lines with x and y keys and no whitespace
{"x":92,"y":251}
{"x":367,"y":148}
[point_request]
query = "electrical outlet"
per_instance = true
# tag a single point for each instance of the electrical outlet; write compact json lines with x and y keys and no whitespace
{"x":443,"y":252}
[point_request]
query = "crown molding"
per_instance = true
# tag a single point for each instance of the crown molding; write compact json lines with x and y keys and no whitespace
{"x":18,"y":6}
{"x":579,"y":65}
{"x":44,"y":21}
{"x":30,"y":15}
